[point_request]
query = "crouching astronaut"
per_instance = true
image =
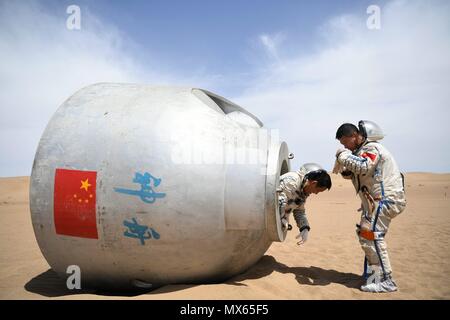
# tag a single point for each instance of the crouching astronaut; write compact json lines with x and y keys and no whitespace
{"x":380,"y":185}
{"x":295,"y":187}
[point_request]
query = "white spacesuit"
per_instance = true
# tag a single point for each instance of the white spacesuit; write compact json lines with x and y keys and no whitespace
{"x":292,"y":198}
{"x":380,"y":185}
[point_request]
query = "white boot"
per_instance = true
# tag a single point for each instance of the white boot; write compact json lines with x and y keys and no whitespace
{"x":376,"y":283}
{"x":387,"y":285}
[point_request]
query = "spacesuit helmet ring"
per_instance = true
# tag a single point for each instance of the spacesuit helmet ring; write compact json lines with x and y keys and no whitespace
{"x":370,"y":130}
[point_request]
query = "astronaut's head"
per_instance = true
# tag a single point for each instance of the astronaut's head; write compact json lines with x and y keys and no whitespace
{"x":349,"y":136}
{"x":317,"y":181}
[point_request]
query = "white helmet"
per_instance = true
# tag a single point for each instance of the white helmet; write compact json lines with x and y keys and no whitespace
{"x":370,"y":130}
{"x":309,"y":167}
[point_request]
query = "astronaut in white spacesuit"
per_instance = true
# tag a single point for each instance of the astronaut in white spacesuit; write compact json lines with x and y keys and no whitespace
{"x":295,"y":187}
{"x":380,"y":185}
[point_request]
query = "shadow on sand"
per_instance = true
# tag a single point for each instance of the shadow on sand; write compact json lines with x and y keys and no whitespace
{"x":313,"y":276}
{"x":49,"y":284}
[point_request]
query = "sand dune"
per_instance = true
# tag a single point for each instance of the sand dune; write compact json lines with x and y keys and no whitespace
{"x":328,"y":266}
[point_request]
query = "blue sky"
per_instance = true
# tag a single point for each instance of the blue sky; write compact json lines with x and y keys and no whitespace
{"x":302,"y":67}
{"x":212,"y":37}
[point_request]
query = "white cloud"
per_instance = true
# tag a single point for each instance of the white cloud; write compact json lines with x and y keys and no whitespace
{"x":43,"y":63}
{"x":397,"y":76}
{"x":271,"y":43}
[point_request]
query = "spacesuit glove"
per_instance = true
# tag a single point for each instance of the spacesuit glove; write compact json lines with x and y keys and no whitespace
{"x":303,"y":235}
{"x":338,"y":168}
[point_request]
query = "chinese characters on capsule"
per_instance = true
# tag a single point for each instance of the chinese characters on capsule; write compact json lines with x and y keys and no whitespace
{"x":147,"y":183}
{"x":147,"y":194}
{"x":141,"y":232}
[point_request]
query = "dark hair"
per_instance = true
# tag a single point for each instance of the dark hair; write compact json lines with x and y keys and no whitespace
{"x":347,"y":129}
{"x":322,"y":177}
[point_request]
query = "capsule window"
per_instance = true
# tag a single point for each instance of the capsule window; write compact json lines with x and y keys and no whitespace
{"x":225,"y":106}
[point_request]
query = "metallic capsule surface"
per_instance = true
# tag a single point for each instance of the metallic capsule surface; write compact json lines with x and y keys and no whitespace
{"x":143,"y":186}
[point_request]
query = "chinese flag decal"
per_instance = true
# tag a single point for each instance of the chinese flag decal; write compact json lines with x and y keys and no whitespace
{"x":369,"y":155}
{"x":74,"y":203}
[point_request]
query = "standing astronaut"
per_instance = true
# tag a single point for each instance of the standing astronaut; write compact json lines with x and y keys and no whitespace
{"x":380,"y":185}
{"x":295,"y":187}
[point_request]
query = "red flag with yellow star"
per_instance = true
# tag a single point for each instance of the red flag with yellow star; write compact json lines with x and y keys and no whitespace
{"x":74,"y":203}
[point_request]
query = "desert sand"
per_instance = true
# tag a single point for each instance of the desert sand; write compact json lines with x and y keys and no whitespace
{"x":328,"y":266}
